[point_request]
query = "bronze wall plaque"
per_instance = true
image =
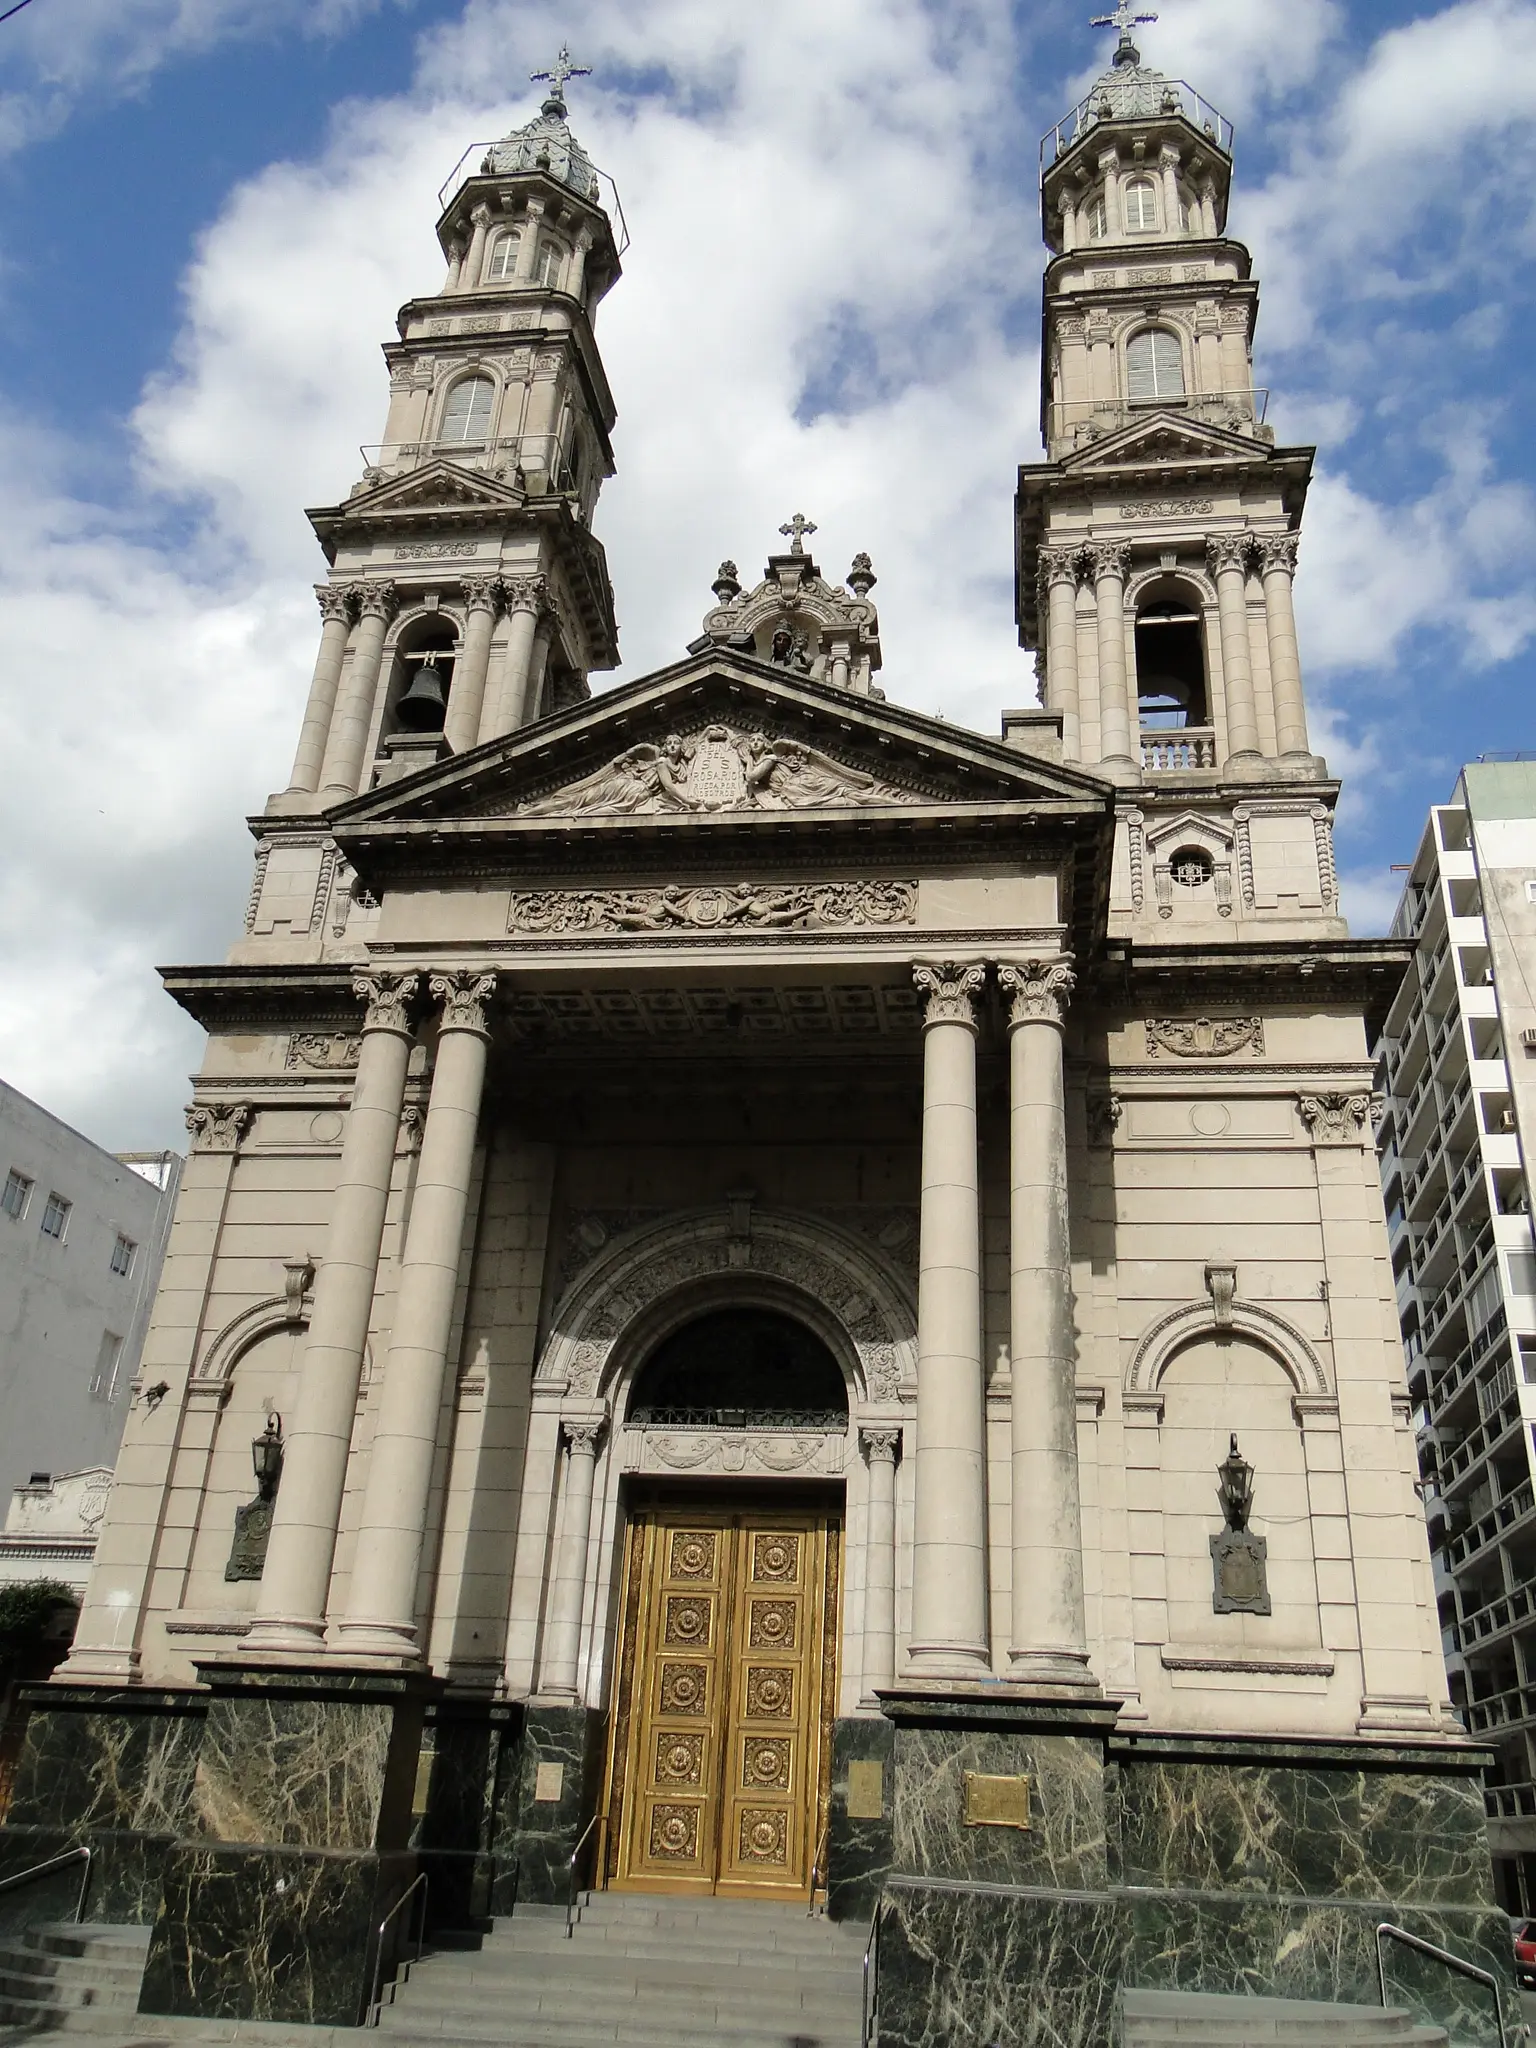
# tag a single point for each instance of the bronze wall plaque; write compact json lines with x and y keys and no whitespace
{"x":996,"y":1802}
{"x":866,"y":1791}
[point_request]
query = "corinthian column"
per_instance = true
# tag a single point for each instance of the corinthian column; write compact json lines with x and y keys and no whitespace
{"x":1111,"y":563}
{"x":290,"y":1609}
{"x":461,"y":729}
{"x":1050,"y":1645}
{"x":880,"y":1448}
{"x":525,"y":598}
{"x":336,"y":602}
{"x":381,"y":1603}
{"x":376,"y":604}
{"x":1058,"y":573}
{"x":1227,"y":556}
{"x":562,"y":1633}
{"x":949,"y":1549}
{"x":474,"y":262}
{"x":1277,"y":566}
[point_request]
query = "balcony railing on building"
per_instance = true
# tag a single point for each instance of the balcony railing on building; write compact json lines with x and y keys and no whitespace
{"x":1170,"y":748}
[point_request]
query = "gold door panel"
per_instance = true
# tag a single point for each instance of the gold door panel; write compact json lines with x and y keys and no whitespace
{"x":722,"y":1733}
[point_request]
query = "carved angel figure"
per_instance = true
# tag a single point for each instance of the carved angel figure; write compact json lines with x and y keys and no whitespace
{"x":784,"y":775}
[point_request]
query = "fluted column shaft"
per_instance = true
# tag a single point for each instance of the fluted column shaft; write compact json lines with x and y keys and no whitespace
{"x":1058,"y":571}
{"x":354,"y":706}
{"x":1050,"y":1645}
{"x":507,"y":710}
{"x":381,"y":1602}
{"x":482,"y":595}
{"x":949,"y":1551}
{"x":290,"y":1609}
{"x":562,"y":1634}
{"x":336,"y":610}
{"x":1111,"y":565}
{"x":1277,"y":566}
{"x":880,"y":1448}
{"x":1227,"y":556}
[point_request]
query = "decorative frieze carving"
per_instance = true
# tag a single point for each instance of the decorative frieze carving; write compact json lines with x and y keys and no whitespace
{"x":1038,"y":991}
{"x":735,"y":1451}
{"x":390,"y":999}
{"x":1204,"y":1038}
{"x":1336,"y":1119}
{"x":756,"y":906}
{"x":218,"y":1126}
{"x":951,"y":990}
{"x":326,"y":1050}
{"x":1167,"y":508}
{"x":717,"y":770}
{"x":464,"y":996}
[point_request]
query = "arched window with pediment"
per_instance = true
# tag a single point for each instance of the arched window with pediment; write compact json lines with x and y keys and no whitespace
{"x":468,"y":411}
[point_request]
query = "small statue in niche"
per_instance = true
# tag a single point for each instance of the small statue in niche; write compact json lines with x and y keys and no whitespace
{"x":788,"y":650}
{"x":253,"y":1521}
{"x":1238,"y":1557}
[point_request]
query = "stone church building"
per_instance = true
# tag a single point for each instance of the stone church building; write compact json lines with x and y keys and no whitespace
{"x":772,"y":1294}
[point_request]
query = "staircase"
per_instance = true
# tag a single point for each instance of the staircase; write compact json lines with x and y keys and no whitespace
{"x":649,"y":1972}
{"x":85,"y":1979}
{"x":1180,"y":2019}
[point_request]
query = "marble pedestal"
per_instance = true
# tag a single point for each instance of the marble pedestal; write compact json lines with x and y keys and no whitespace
{"x":105,"y":1767}
{"x":559,"y":1786}
{"x":1188,"y":1863}
{"x":295,"y":1844}
{"x":465,"y":1809}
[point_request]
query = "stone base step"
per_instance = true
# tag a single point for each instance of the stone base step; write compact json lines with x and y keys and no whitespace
{"x":1182,"y":2019}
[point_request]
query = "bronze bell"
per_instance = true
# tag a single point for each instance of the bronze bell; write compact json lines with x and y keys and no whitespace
{"x":425,"y":703}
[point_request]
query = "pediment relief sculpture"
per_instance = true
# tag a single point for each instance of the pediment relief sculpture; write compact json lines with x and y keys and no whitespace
{"x":717,"y":769}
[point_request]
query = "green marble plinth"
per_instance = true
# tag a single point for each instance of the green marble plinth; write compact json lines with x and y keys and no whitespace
{"x":1179,"y":1863}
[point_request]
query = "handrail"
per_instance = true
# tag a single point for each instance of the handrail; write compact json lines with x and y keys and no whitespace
{"x":81,"y":1852}
{"x":375,"y":2002}
{"x":870,"y":2023}
{"x":810,"y":1911}
{"x":570,"y":1896}
{"x":1439,"y":1955}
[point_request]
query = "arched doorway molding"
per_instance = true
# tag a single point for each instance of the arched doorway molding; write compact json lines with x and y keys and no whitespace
{"x":641,"y":1287}
{"x":1175,"y":1331}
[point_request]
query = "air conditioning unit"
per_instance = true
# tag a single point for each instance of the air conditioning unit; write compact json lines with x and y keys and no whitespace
{"x":1528,"y":1038}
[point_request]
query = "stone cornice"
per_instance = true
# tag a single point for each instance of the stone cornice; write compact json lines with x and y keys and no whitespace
{"x":1270,"y":975}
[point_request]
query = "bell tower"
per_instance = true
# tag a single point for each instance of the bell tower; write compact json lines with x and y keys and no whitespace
{"x":1157,"y":542}
{"x":467,"y":594}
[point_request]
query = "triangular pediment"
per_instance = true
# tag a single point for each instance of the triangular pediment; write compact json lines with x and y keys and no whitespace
{"x":435,"y":486}
{"x":723,"y":738}
{"x":1163,"y":438}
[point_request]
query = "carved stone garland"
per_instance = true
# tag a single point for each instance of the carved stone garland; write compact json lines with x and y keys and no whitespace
{"x":743,"y":906}
{"x":1204,"y":1038}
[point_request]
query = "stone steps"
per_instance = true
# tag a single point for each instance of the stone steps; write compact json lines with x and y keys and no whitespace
{"x":85,"y":1978}
{"x":1180,"y":2019}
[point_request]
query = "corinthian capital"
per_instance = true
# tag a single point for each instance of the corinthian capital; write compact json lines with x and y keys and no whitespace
{"x":1336,"y":1119}
{"x":217,"y":1126}
{"x":482,"y":594}
{"x":951,"y":989}
{"x":583,"y":1437}
{"x":525,"y":593}
{"x":390,"y":999}
{"x":377,"y":600}
{"x":1109,"y":558}
{"x":880,"y":1444}
{"x":1227,"y":551}
{"x":1060,"y":565}
{"x":336,"y":601}
{"x":1038,"y":991}
{"x":1277,"y":551}
{"x":464,"y":996}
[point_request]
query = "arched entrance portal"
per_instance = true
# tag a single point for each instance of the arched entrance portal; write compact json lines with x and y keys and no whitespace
{"x":726,"y":1667}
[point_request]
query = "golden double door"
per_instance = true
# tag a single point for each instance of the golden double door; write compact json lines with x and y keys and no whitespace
{"x":722,"y":1730}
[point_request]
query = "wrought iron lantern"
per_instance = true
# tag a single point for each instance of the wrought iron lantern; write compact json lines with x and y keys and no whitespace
{"x":267,"y":1457}
{"x":1236,"y":1476}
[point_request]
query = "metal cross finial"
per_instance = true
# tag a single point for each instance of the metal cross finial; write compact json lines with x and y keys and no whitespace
{"x":797,"y":528}
{"x":1124,"y":18}
{"x":559,"y":72}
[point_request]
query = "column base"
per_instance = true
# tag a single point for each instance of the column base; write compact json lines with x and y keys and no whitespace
{"x":948,"y":1660}
{"x":87,"y":1666}
{"x":283,"y":1637}
{"x":1054,"y":1671}
{"x":1250,"y":766}
{"x":378,"y":1645}
{"x":1117,"y":767}
{"x":1406,"y":1713}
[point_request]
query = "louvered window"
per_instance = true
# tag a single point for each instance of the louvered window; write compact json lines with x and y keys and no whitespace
{"x":504,"y":257}
{"x":1098,"y":221}
{"x":1140,"y":208}
{"x":549,"y":263}
{"x":467,"y":416}
{"x":1154,"y":365}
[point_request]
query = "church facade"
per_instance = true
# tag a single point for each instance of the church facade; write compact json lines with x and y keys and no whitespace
{"x":772,"y":1296}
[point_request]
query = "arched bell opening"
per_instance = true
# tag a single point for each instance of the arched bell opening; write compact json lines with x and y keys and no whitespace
{"x":740,"y":1368}
{"x":1172,"y":690}
{"x":421,"y":675}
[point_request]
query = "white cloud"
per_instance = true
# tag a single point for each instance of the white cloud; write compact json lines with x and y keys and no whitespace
{"x":1369,"y":898}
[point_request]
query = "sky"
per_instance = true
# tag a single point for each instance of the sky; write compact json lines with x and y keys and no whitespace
{"x":210,"y":210}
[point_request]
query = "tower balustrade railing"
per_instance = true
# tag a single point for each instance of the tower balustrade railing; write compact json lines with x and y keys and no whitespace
{"x":1175,"y":97}
{"x":1079,"y":420}
{"x":1178,"y":747}
{"x":531,"y":454}
{"x":472,"y":165}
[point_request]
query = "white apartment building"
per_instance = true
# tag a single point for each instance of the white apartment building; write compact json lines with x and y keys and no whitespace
{"x":1456,"y":1073}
